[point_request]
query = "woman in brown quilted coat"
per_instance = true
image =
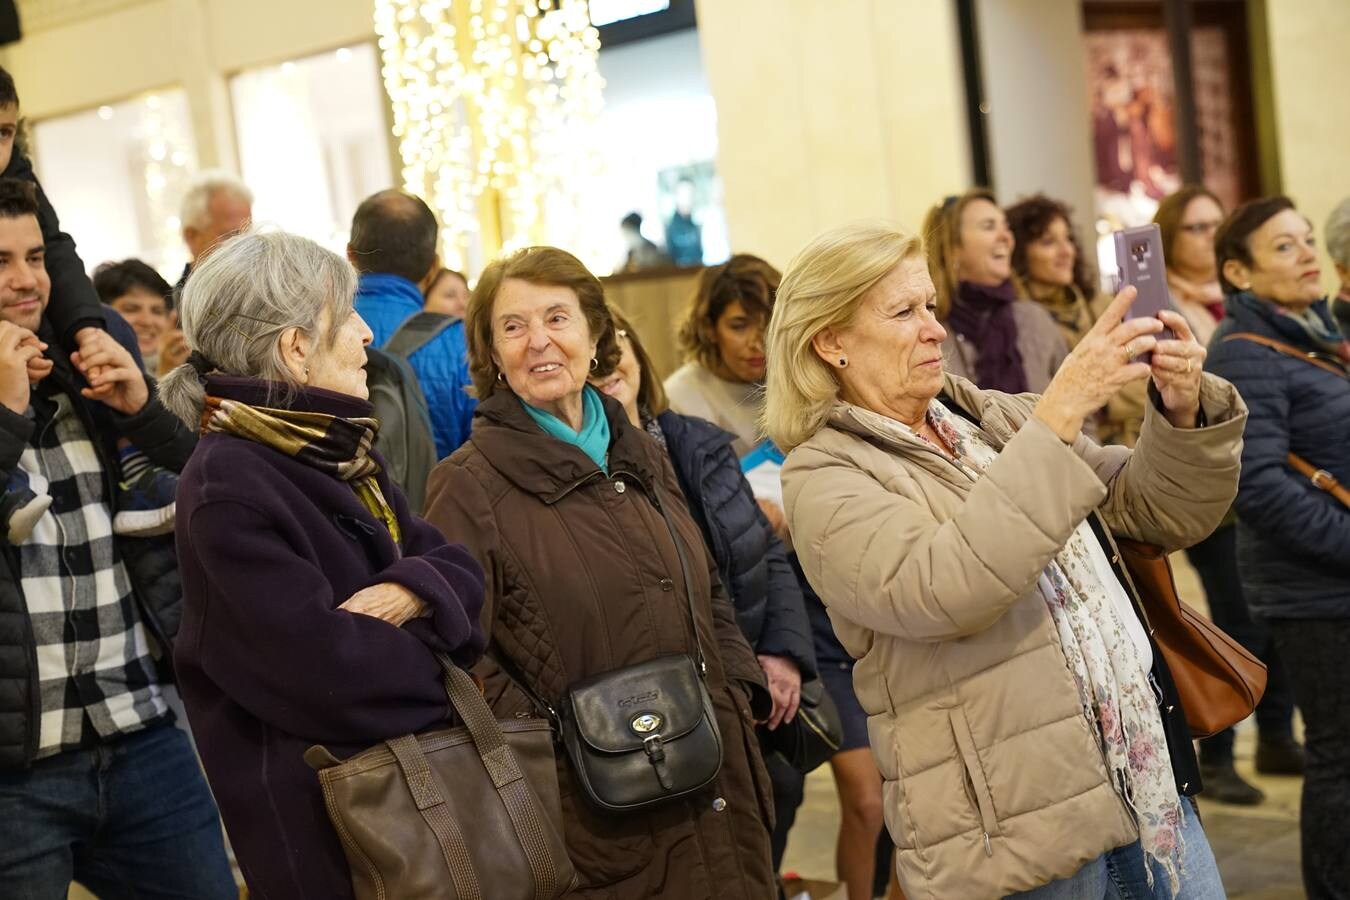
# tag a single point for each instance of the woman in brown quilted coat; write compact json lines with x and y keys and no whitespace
{"x":560,"y":498}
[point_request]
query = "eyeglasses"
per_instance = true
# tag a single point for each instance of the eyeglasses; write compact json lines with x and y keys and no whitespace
{"x":1202,"y":227}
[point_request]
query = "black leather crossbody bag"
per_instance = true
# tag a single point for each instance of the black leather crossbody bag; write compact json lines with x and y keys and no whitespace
{"x":644,"y":734}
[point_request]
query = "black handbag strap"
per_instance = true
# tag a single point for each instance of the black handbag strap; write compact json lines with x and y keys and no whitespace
{"x":688,"y":581}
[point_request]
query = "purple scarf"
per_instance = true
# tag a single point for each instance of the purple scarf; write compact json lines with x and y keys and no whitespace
{"x":984,"y":316}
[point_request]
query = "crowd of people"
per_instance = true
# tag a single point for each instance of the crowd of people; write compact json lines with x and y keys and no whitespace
{"x":213,"y":490}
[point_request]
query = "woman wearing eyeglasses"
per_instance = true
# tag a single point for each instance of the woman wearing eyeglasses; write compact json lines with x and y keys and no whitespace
{"x":1188,"y":220}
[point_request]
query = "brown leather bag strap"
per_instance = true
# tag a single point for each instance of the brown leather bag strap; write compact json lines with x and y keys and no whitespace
{"x":1288,"y":350}
{"x":521,"y":805}
{"x":427,"y":795}
{"x":1321,"y":478}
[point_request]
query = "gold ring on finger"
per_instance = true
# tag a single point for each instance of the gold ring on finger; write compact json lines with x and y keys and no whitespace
{"x":1189,"y":363}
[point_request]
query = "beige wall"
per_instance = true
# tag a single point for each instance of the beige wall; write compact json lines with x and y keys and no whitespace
{"x":829,"y":112}
{"x":1310,"y":63}
{"x":138,"y":47}
{"x":1032,"y":58}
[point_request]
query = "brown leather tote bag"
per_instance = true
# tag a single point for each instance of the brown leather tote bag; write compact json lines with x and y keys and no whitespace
{"x":468,"y":813}
{"x":1218,"y":681}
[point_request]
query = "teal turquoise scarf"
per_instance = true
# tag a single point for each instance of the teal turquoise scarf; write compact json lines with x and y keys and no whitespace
{"x":592,"y":439}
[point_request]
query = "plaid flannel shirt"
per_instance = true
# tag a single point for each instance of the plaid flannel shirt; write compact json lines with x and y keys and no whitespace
{"x":96,"y":674}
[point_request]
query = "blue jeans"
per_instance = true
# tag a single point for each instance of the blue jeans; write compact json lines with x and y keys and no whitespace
{"x":1120,"y":874}
{"x":129,"y":818}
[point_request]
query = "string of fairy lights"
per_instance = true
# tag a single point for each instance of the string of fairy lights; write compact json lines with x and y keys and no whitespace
{"x":494,"y":106}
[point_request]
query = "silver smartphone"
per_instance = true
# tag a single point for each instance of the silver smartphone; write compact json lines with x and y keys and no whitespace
{"x":1139,"y":263}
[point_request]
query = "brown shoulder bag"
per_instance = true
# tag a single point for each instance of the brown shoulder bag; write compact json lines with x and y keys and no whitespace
{"x":468,"y":813}
{"x":1218,"y":681}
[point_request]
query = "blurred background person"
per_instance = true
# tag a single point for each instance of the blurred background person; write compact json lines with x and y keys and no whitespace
{"x":1293,"y":539}
{"x":750,"y":559}
{"x":1338,"y":246}
{"x":1188,"y":220}
{"x":684,"y":238}
{"x":1009,"y":680}
{"x":143,"y":297}
{"x":998,"y":342}
{"x":393,"y":247}
{"x":215,"y":206}
{"x":721,"y":336}
{"x":607,"y":587}
{"x":642,"y":252}
{"x":1052,"y":271}
{"x":448,"y":294}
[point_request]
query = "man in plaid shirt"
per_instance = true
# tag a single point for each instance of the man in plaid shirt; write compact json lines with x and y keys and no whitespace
{"x":96,"y":785}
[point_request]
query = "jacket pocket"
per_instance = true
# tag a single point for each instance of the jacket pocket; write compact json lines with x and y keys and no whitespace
{"x":605,"y":848}
{"x":977,"y":788}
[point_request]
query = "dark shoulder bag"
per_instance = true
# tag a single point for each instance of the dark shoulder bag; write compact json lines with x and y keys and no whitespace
{"x":813,"y":736}
{"x":643,"y":734}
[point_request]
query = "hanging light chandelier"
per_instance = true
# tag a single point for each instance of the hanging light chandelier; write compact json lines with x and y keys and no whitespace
{"x":494,"y":109}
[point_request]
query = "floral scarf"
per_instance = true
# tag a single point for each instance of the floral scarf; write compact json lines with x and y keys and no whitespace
{"x":1113,"y":683}
{"x":340,"y":447}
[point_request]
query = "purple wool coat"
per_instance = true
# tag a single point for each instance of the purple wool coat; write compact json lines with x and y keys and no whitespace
{"x":268,"y":666}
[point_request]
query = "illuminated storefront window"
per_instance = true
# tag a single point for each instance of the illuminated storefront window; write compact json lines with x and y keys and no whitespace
{"x":313,"y":140}
{"x":115,"y":174}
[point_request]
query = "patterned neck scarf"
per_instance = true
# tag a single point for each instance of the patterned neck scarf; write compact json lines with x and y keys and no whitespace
{"x":1113,"y":684}
{"x":340,"y":447}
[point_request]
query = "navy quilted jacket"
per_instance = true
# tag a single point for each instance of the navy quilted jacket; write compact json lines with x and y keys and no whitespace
{"x":750,"y":559}
{"x":1293,"y":539}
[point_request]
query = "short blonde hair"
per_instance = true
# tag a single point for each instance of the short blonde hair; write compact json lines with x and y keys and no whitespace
{"x":823,"y":288}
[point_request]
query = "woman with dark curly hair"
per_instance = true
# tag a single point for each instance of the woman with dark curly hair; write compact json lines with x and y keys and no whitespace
{"x":1050,"y":269}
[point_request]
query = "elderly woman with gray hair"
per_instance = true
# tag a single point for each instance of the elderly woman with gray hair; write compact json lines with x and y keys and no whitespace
{"x":1338,"y":245}
{"x":314,"y":603}
{"x":1028,"y":731}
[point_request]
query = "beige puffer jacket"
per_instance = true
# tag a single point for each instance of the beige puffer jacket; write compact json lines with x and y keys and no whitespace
{"x":994,"y":782}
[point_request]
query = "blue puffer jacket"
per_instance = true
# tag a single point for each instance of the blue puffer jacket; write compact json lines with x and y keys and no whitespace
{"x":750,"y":559}
{"x":442,"y":366}
{"x":1293,"y":539}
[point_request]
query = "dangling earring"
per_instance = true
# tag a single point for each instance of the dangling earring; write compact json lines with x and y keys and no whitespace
{"x":595,"y":363}
{"x":843,"y":361}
